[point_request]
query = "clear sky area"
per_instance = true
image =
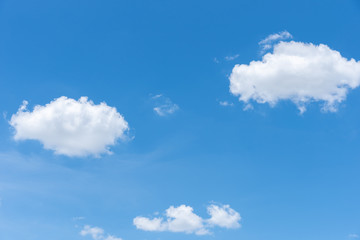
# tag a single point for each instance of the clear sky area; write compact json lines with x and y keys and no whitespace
{"x":179,"y":120}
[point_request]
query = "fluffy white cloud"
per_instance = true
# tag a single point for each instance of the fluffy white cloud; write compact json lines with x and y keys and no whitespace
{"x":268,"y":42}
{"x":146,"y":224}
{"x":223,"y":216}
{"x":183,"y":219}
{"x":296,"y":71}
{"x":179,"y":219}
{"x":96,"y":233}
{"x":70,"y":127}
{"x":163,"y":106}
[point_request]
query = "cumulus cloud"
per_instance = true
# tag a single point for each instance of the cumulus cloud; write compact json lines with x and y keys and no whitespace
{"x":163,"y":106}
{"x":183,"y":219}
{"x":269,"y":41}
{"x":223,"y":216}
{"x":71,"y":127}
{"x":299,"y":72}
{"x":146,"y":224}
{"x":179,"y":219}
{"x":96,"y":233}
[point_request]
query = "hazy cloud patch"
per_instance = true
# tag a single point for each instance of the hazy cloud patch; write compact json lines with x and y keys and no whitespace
{"x":163,"y":106}
{"x":230,"y":58}
{"x":226,"y":103}
{"x":353,"y":236}
{"x":96,"y":233}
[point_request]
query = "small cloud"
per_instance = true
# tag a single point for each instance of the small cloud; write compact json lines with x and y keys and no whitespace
{"x":216,"y":60}
{"x":230,"y":58}
{"x":96,"y":233}
{"x":269,"y":41}
{"x":110,"y":237}
{"x":226,"y":103}
{"x":163,"y":106}
{"x":183,"y":219}
{"x":248,"y":107}
{"x":223,"y":216}
{"x":166,"y":109}
{"x":78,"y":218}
{"x":157,"y":96}
{"x":353,"y":235}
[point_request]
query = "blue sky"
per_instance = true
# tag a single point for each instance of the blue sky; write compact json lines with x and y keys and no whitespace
{"x":286,"y":158}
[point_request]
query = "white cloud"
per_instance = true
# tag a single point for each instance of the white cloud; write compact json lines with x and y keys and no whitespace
{"x":226,"y":103}
{"x":96,"y":233}
{"x":179,"y":219}
{"x":183,"y":219}
{"x":223,"y":216}
{"x":233,"y":57}
{"x":269,"y":41}
{"x":146,"y":224}
{"x":299,"y":72}
{"x":110,"y":237}
{"x":70,"y":127}
{"x":163,"y":106}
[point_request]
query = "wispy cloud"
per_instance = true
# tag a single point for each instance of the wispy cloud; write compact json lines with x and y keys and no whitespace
{"x":353,"y":236}
{"x":163,"y":106}
{"x":226,"y":103}
{"x":230,"y":58}
{"x":269,"y":41}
